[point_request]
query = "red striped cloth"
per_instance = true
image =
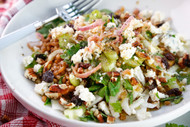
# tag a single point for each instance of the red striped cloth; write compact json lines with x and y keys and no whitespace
{"x":12,"y":113}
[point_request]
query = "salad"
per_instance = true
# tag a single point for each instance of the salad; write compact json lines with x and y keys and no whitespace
{"x":108,"y":65}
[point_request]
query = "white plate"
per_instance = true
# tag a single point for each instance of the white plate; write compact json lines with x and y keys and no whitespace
{"x":12,"y":69}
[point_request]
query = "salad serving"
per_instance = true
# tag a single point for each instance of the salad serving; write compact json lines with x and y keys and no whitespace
{"x":108,"y":65}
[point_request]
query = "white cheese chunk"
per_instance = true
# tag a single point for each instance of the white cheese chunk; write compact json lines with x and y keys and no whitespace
{"x":127,"y":51}
{"x":41,"y":88}
{"x":27,"y":60}
{"x":37,"y":67}
{"x":150,"y":73}
{"x":156,"y":95}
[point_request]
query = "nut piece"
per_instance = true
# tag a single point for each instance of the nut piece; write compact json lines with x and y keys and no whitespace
{"x":30,"y":74}
{"x":110,"y":119}
{"x":100,"y":118}
{"x":53,"y":95}
{"x":123,"y":115}
{"x":44,"y":98}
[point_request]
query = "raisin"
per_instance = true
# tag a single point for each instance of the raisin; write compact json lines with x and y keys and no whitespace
{"x":42,"y":56}
{"x":117,"y":16}
{"x":76,"y":100}
{"x":84,"y":65}
{"x":48,"y":76}
{"x":174,"y":91}
{"x":165,"y":62}
{"x":152,"y":86}
{"x":187,"y":60}
{"x":169,"y":56}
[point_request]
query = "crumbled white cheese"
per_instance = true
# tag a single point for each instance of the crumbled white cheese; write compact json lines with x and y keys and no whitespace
{"x":41,"y":88}
{"x":37,"y":67}
{"x":145,"y":14}
{"x":165,"y":27}
{"x":82,"y":54}
{"x":154,"y":29}
{"x":84,"y":94}
{"x":58,"y":31}
{"x":103,"y":106}
{"x":156,"y":95}
{"x":127,"y":51}
{"x":111,"y":25}
{"x":79,"y":22}
{"x":129,"y":33}
{"x":27,"y":60}
{"x":136,"y":58}
{"x":139,"y":74}
{"x":118,"y":69}
{"x":173,"y":43}
{"x":150,"y":73}
{"x":184,"y":81}
{"x":151,"y":61}
{"x":157,"y":18}
{"x":56,"y":106}
{"x":96,"y":51}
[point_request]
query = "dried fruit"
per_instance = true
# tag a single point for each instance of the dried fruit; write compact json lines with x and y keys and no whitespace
{"x":48,"y":76}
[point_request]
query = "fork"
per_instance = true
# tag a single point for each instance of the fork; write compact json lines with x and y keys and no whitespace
{"x":67,"y":12}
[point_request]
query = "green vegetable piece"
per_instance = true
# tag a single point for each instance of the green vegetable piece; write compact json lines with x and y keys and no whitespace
{"x":171,"y":83}
{"x":74,"y":80}
{"x":83,"y":44}
{"x":149,"y":35}
{"x":107,"y":96}
{"x":111,"y":55}
{"x":31,"y":65}
{"x":127,"y":85}
{"x":75,"y":113}
{"x":158,"y":68}
{"x":130,"y":97}
{"x":106,"y":11}
{"x":64,"y":40}
{"x":46,"y":28}
{"x":95,"y":87}
{"x":48,"y":101}
{"x":174,"y":125}
{"x":107,"y":64}
{"x":111,"y":87}
{"x":157,"y":95}
{"x":40,"y":71}
{"x":170,"y":98}
{"x":117,"y":106}
{"x":177,"y":101}
{"x":96,"y":14}
{"x":134,"y":63}
{"x":60,"y":80}
{"x":102,"y":91}
{"x":180,"y":77}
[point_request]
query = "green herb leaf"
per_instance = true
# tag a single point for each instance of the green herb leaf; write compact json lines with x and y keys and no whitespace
{"x":102,"y":91}
{"x":130,"y":97}
{"x":48,"y":101}
{"x":31,"y":65}
{"x":177,"y":101}
{"x":40,"y":70}
{"x":112,"y":19}
{"x":174,"y":125}
{"x":127,"y":85}
{"x":106,"y":11}
{"x":60,"y":80}
{"x":170,"y":98}
{"x":170,"y":82}
{"x":46,"y":28}
{"x":90,"y":117}
{"x":149,"y":34}
{"x":158,"y":68}
{"x":158,"y":54}
{"x":117,"y":106}
{"x":95,"y":87}
{"x":180,"y":77}
{"x":157,"y":95}
{"x":107,"y":96}
{"x":111,"y":87}
{"x":83,"y":44}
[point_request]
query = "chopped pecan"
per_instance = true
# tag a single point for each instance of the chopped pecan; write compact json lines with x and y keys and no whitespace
{"x":110,"y":119}
{"x":44,"y":98}
{"x":142,"y":55}
{"x":113,"y":74}
{"x":162,"y":79}
{"x":185,"y":61}
{"x":30,"y":74}
{"x":123,"y":115}
{"x":57,"y":89}
{"x":136,"y":12}
{"x":84,"y":65}
{"x":53,"y":95}
{"x":134,"y":81}
{"x":100,"y":118}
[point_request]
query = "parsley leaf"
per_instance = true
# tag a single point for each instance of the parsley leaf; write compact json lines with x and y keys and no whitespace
{"x":149,"y":35}
{"x":174,"y":125}
{"x":95,"y":87}
{"x":83,"y":44}
{"x":177,"y":101}
{"x":180,"y":77}
{"x":69,"y":53}
{"x":127,"y":85}
{"x":170,"y":98}
{"x":31,"y":65}
{"x":60,"y":80}
{"x":130,"y":97}
{"x":89,"y":117}
{"x":117,"y":106}
{"x":48,"y":101}
{"x":170,"y":82}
